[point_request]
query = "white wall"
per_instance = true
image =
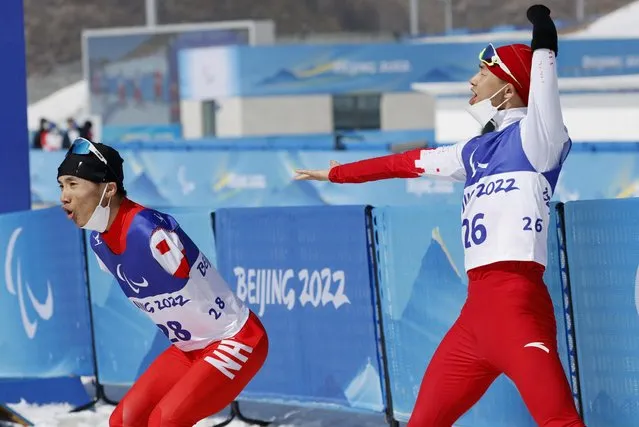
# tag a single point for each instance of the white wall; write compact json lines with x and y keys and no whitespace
{"x":228,"y":120}
{"x":407,"y":111}
{"x":261,"y":116}
{"x":283,"y":115}
{"x":592,"y":117}
{"x":191,"y":119}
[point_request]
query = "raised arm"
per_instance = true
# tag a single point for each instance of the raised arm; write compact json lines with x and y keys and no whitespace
{"x":442,"y":162}
{"x":543,"y":133}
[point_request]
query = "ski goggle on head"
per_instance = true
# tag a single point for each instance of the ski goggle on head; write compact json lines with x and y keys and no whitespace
{"x":489,"y":57}
{"x":83,"y":146}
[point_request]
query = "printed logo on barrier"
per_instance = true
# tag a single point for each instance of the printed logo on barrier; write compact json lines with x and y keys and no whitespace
{"x":186,"y":186}
{"x":628,"y":190}
{"x":135,"y":286}
{"x":265,"y":286}
{"x":236,"y":181}
{"x":43,"y":310}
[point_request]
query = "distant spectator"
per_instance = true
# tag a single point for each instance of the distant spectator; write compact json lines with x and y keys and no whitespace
{"x":86,"y":131}
{"x":158,"y":86}
{"x":52,"y":138}
{"x":72,"y":132}
{"x":40,"y":134}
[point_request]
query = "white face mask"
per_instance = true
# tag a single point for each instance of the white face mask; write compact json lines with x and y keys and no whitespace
{"x":484,"y":111}
{"x":100,"y":217}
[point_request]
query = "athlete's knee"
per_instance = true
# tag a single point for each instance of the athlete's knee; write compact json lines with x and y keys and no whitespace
{"x":123,"y":417}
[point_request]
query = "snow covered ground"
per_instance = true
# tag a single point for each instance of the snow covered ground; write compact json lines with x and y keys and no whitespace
{"x":59,"y":416}
{"x":618,"y":23}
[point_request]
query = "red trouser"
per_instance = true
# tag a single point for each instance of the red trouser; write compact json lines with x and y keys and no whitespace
{"x":182,"y":388}
{"x":507,"y":325}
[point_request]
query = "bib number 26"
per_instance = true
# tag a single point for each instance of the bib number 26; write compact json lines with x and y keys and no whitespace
{"x":474,"y":231}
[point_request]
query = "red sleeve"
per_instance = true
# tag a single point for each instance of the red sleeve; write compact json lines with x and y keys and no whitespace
{"x":400,"y":165}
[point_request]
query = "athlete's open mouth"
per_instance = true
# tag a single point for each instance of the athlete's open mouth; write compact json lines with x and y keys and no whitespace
{"x":68,"y":212}
{"x":473,"y":98}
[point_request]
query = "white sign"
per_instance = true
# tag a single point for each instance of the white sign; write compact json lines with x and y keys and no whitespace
{"x":207,"y":73}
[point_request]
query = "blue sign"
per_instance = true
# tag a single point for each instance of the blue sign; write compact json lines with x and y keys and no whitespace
{"x":147,"y":133}
{"x":117,"y":321}
{"x":14,"y":160}
{"x":603,"y":256}
{"x":44,"y":309}
{"x":305,"y":272}
{"x":345,"y":68}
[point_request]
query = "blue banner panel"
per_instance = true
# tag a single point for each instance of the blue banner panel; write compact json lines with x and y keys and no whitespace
{"x":216,"y":179}
{"x":44,"y":313}
{"x":206,"y":177}
{"x":306,"y":272}
{"x":14,"y":156}
{"x":602,"y":241}
{"x":127,"y":341}
{"x":373,"y":68}
{"x":423,"y":286}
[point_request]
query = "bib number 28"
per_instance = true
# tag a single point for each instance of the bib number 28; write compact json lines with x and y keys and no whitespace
{"x":174,"y":331}
{"x":474,"y":231}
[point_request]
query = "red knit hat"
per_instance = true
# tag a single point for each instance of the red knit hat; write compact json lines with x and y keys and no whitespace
{"x":518,"y":59}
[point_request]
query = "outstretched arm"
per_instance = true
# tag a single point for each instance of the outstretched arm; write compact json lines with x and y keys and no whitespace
{"x":543,"y":133}
{"x":443,"y":162}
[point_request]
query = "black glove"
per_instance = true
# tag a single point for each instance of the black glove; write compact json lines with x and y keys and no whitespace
{"x":544,"y":30}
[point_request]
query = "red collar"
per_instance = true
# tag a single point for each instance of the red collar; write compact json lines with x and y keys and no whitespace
{"x":115,"y":236}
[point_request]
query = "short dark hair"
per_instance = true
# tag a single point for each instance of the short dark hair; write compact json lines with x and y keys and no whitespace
{"x":121,"y":191}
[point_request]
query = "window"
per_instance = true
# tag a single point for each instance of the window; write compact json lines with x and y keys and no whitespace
{"x":356,"y":112}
